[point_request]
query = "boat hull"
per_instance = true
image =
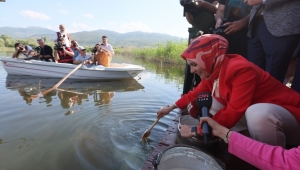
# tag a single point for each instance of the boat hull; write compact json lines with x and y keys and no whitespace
{"x":15,"y":66}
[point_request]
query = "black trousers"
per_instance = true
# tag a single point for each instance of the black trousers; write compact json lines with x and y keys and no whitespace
{"x":272,"y":54}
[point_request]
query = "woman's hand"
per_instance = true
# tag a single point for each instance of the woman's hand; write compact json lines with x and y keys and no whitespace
{"x":165,"y":110}
{"x":217,"y":129}
{"x":185,"y":131}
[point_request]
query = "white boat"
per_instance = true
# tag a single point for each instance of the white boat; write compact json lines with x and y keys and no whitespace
{"x":15,"y":66}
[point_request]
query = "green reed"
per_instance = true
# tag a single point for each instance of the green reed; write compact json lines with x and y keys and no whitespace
{"x":168,"y":53}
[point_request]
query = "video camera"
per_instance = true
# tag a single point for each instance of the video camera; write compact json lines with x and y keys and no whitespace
{"x":59,"y":45}
{"x":75,"y":44}
{"x":94,"y":50}
{"x":189,"y":5}
{"x":37,"y":49}
{"x":219,"y":30}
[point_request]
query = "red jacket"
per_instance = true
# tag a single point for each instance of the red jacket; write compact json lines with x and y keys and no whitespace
{"x":64,"y":57}
{"x":242,"y":84}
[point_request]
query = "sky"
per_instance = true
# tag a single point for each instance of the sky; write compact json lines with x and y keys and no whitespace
{"x":153,"y":16}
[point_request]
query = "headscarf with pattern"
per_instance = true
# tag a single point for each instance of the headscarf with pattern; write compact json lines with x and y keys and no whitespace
{"x":208,"y":51}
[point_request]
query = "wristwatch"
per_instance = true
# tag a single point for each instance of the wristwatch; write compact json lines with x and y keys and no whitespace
{"x":226,"y":140}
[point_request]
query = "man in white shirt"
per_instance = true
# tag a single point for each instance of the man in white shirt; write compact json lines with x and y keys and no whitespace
{"x":107,"y":47}
{"x":63,"y":34}
{"x":83,"y":57}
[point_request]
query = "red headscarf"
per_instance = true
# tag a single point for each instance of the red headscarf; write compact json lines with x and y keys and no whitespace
{"x":208,"y":51}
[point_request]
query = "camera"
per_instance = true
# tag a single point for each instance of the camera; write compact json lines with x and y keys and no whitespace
{"x":21,"y":48}
{"x":189,"y":5}
{"x":38,"y":49}
{"x":59,"y":45}
{"x":94,"y":50}
{"x":219,"y":30}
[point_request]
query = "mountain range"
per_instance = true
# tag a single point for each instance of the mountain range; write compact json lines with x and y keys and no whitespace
{"x":90,"y":38}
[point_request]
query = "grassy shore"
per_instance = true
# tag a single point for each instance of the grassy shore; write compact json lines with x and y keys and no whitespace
{"x":166,"y":53}
{"x":7,"y":49}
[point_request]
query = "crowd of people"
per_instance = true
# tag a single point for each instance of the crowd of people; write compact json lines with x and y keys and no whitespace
{"x":265,"y":32}
{"x":243,"y":62}
{"x":67,"y":50}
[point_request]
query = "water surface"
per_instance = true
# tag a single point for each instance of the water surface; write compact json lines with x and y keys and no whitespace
{"x":84,"y":125}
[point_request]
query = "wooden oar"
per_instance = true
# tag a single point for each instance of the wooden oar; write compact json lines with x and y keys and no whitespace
{"x":148,"y":131}
{"x":57,"y":84}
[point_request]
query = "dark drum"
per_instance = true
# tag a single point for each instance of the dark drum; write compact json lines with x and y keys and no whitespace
{"x":182,"y":157}
{"x":197,"y":141}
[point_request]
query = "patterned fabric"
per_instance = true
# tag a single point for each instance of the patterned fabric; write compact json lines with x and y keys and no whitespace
{"x":281,"y":17}
{"x":208,"y":51}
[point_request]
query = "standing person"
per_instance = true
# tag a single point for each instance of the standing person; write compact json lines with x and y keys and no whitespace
{"x":105,"y":53}
{"x":63,"y":34}
{"x":234,"y":17}
{"x":200,"y":14}
{"x":107,"y":47}
{"x":45,"y":52}
{"x":240,"y":90}
{"x":274,"y":31}
{"x":296,"y":79}
{"x":258,"y":154}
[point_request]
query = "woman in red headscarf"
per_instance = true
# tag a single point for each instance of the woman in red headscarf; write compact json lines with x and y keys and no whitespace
{"x":240,"y":90}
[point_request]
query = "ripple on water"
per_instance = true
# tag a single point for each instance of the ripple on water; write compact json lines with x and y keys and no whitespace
{"x":102,"y":132}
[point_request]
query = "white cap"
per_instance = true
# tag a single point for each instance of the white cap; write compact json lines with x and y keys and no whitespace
{"x":81,"y":48}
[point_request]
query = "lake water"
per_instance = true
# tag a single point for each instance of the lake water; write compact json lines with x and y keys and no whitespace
{"x":84,"y":125}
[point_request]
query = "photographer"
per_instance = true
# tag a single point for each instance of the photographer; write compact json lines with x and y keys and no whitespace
{"x":44,"y":52}
{"x":95,"y":50}
{"x":233,"y":15}
{"x":25,"y":50}
{"x":200,"y":14}
{"x":83,"y":58}
{"x":74,"y":46}
{"x":63,"y":54}
{"x":62,"y":34}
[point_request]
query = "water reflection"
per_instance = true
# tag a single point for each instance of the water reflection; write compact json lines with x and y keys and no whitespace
{"x":84,"y":125}
{"x":70,"y":92}
{"x":171,"y":73}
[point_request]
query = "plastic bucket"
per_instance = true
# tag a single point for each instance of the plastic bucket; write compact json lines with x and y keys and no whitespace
{"x":182,"y":157}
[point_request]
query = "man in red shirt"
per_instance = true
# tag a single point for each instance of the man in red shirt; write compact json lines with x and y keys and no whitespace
{"x":62,"y":53}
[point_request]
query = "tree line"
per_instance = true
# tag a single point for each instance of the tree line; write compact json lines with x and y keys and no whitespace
{"x":7,"y":41}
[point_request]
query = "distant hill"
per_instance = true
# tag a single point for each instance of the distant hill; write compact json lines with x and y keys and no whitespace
{"x":16,"y":32}
{"x":90,"y":38}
